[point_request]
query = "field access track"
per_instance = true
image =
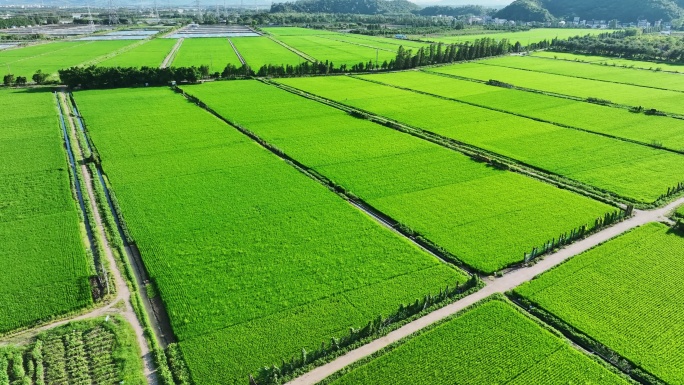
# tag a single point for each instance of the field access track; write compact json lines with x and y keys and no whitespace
{"x":487,"y":218}
{"x":291,"y":263}
{"x":636,"y":172}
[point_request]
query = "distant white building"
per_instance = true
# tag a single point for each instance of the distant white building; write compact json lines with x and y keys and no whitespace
{"x":643,"y":23}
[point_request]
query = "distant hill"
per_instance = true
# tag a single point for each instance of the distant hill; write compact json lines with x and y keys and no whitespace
{"x":467,"y":10}
{"x":526,"y":10}
{"x":623,"y":10}
{"x":365,"y":7}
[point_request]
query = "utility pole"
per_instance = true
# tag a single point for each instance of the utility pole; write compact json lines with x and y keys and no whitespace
{"x":377,"y":53}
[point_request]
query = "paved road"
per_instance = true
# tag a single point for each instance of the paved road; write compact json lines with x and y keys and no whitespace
{"x":499,"y":285}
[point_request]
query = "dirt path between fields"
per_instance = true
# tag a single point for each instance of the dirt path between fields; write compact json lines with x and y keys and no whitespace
{"x":497,"y":285}
{"x":169,"y":58}
{"x":121,"y":303}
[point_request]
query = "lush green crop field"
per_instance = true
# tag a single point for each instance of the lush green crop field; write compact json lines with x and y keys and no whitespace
{"x":295,"y":31}
{"x":408,"y":44}
{"x":150,"y":54}
{"x":54,"y":56}
{"x":212,"y":51}
{"x":339,"y":52}
{"x":253,"y":260}
{"x":258,"y":51}
{"x":637,"y":77}
{"x":668,"y":133}
{"x":487,"y":218}
{"x":627,"y":295}
{"x":45,"y":268}
{"x":610,"y":61}
{"x":643,"y":174}
{"x":382,"y":43}
{"x":680,"y":212}
{"x":96,"y":351}
{"x":492,"y":343}
{"x":664,"y":100}
{"x":525,"y":38}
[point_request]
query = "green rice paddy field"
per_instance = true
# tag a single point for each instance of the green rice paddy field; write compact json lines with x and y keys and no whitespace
{"x":260,"y":51}
{"x":51,"y":57}
{"x":629,"y":95}
{"x":261,"y":261}
{"x":150,"y":54}
{"x":485,"y":217}
{"x":525,"y":38}
{"x":491,"y":343}
{"x":211,"y":51}
{"x":386,"y":43}
{"x":39,"y":223}
{"x":668,"y":133}
{"x":324,"y":48}
{"x":626,"y":295}
{"x":652,"y":79}
{"x":638,"y":172}
{"x":295,"y":31}
{"x":610,"y":61}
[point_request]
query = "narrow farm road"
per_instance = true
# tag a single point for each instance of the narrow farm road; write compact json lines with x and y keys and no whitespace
{"x":121,"y":303}
{"x":123,"y":293}
{"x":498,"y":285}
{"x":169,"y":58}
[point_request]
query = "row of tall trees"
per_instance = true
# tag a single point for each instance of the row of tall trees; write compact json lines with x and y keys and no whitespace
{"x":116,"y":77}
{"x":405,"y":59}
{"x":112,"y":77}
{"x":23,"y":21}
{"x":630,"y":45}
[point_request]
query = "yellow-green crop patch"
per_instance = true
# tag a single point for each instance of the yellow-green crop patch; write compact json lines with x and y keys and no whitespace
{"x":636,"y":77}
{"x":525,"y":37}
{"x":253,"y":260}
{"x":625,"y":94}
{"x":634,"y":171}
{"x":45,"y":267}
{"x":610,"y":61}
{"x":626,"y":295}
{"x":649,"y":130}
{"x":492,"y":343}
{"x":486,"y":217}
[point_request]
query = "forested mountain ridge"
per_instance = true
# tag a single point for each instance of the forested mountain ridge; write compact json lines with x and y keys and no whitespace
{"x":623,"y":10}
{"x":365,"y":7}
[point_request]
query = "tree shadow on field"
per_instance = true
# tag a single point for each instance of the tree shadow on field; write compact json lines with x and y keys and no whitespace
{"x":35,"y":90}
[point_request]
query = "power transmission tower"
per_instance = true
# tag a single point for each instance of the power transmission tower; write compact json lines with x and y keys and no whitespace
{"x":113,"y":18}
{"x":199,"y":11}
